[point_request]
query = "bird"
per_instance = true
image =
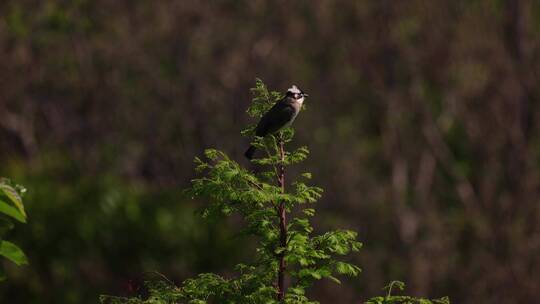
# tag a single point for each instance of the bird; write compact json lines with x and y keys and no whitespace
{"x":280,"y":116}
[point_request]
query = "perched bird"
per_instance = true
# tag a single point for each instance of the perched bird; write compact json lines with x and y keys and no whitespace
{"x":280,"y":116}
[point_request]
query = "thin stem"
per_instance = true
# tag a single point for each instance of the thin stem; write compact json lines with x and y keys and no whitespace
{"x":282,"y":225}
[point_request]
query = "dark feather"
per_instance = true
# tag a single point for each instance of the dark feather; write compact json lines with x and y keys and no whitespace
{"x":278,"y":116}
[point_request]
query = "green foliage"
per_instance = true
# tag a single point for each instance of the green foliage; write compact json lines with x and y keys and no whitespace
{"x":391,"y":299}
{"x":263,"y":99}
{"x":92,"y":232}
{"x":260,"y":198}
{"x":257,"y":197}
{"x":428,"y":150}
{"x":11,"y":208}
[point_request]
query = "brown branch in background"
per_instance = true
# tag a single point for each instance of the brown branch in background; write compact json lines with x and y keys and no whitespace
{"x":282,"y":226}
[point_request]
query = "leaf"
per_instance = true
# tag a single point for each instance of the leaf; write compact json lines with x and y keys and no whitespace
{"x":306,"y":175}
{"x":12,"y":211}
{"x":334,"y":279}
{"x":309,"y":211}
{"x":13,"y":196}
{"x":347,"y":269}
{"x":211,"y":154}
{"x":13,"y":253}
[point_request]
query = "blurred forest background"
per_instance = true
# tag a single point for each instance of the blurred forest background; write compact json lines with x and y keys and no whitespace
{"x":423,"y":123}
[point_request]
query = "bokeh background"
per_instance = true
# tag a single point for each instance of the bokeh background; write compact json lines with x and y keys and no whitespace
{"x":422,"y":125}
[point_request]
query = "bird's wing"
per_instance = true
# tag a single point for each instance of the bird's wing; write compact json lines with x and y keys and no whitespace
{"x":279,"y":115}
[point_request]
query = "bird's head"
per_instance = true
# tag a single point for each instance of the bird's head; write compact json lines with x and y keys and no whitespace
{"x":295,"y":93}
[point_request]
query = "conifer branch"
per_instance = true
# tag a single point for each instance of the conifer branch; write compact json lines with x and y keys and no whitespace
{"x":299,"y":255}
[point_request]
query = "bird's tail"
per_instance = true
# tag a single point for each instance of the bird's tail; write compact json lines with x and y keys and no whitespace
{"x":250,"y":151}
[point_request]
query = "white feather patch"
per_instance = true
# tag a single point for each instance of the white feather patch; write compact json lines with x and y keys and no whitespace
{"x":294,"y":89}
